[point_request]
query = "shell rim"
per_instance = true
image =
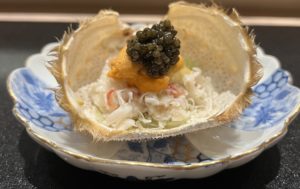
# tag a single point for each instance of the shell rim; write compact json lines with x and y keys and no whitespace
{"x":233,"y":110}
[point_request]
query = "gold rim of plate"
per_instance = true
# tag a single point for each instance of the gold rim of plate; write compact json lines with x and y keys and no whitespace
{"x":95,"y":159}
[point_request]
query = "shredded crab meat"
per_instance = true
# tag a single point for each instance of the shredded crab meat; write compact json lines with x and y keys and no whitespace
{"x":123,"y":107}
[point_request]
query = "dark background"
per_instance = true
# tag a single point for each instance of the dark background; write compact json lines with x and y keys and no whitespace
{"x":24,"y":164}
{"x":285,"y":8}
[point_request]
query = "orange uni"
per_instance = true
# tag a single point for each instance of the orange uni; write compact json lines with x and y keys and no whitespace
{"x":123,"y":69}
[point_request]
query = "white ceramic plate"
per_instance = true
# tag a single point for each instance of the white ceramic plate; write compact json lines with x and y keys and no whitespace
{"x":196,"y":155}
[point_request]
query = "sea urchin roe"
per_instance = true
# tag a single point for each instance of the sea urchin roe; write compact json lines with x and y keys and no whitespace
{"x":155,"y":48}
{"x":124,"y":70}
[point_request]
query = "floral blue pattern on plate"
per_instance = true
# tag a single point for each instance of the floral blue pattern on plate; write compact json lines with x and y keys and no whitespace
{"x":274,"y":99}
{"x":36,"y":102}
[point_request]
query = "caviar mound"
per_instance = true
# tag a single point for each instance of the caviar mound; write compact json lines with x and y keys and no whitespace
{"x":156,"y":48}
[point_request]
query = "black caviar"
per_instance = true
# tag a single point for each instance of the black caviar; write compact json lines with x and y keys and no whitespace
{"x":156,"y":48}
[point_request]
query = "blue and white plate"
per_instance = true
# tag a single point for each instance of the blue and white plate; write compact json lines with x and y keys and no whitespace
{"x":197,"y":155}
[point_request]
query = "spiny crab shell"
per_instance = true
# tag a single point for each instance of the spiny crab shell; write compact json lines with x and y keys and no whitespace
{"x":216,"y":41}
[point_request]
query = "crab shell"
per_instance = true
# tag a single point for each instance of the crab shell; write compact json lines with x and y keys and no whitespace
{"x":215,"y":41}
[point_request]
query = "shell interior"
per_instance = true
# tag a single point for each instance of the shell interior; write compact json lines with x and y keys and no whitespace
{"x":210,"y":39}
